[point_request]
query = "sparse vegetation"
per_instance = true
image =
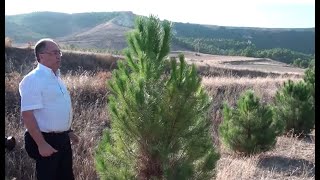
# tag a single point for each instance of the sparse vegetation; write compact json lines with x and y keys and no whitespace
{"x":295,"y":106}
{"x":250,"y":127}
{"x":291,"y":158}
{"x":244,"y":47}
{"x":75,"y":48}
{"x":106,"y":30}
{"x":309,"y":78}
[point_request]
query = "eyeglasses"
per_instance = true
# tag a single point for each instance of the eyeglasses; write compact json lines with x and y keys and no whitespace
{"x":53,"y":53}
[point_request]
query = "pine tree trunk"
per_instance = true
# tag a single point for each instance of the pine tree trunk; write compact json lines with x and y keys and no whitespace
{"x":149,"y":166}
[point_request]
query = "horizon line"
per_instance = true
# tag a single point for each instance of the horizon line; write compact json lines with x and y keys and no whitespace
{"x":231,"y":26}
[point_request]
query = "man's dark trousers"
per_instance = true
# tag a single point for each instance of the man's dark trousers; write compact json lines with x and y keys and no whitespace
{"x":58,"y":166}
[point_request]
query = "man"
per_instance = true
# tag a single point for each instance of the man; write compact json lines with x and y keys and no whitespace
{"x":47,"y":115}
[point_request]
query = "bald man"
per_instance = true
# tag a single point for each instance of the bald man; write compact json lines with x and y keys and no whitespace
{"x":47,"y":115}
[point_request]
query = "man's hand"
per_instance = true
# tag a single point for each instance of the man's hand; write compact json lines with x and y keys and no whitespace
{"x":31,"y":124}
{"x":74,"y":138}
{"x":46,"y":149}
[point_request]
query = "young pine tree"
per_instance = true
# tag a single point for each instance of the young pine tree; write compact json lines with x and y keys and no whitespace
{"x":250,"y":127}
{"x":309,"y":78}
{"x":294,"y":104}
{"x":160,"y":128}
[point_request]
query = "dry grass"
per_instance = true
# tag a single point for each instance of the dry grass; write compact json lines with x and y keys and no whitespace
{"x":263,"y":87}
{"x":22,"y":60}
{"x":292,"y":158}
{"x":257,"y":81}
{"x":90,"y":118}
{"x":213,"y":65}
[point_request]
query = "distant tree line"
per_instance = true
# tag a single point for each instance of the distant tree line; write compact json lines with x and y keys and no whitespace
{"x":300,"y":40}
{"x":234,"y":47}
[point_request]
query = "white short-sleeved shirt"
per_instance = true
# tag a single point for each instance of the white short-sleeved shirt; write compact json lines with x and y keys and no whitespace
{"x":45,"y":93}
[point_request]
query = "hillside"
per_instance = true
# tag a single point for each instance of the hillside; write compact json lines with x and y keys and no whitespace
{"x":101,"y":31}
{"x":20,"y":33}
{"x":106,"y":35}
{"x":207,"y":64}
{"x":52,"y":24}
{"x":71,"y":26}
{"x":262,"y":38}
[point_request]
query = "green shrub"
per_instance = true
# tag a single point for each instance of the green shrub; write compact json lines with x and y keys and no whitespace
{"x":294,"y":104}
{"x":250,"y":127}
{"x":309,"y":78}
{"x":160,"y":125}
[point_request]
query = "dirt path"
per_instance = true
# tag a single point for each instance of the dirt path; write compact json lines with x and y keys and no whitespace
{"x":238,"y":62}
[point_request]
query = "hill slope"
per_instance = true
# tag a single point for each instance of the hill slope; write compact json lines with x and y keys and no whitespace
{"x":107,"y":30}
{"x":106,"y":35}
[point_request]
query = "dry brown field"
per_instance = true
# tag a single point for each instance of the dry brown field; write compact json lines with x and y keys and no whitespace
{"x":225,"y":78}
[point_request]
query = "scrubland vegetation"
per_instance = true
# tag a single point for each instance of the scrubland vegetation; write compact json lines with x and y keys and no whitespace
{"x":291,"y":158}
{"x":262,"y":146}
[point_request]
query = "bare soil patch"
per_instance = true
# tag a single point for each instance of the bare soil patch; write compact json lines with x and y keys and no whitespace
{"x":238,"y":62}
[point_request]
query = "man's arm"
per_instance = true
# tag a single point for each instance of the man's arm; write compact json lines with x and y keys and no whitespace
{"x":30,"y":122}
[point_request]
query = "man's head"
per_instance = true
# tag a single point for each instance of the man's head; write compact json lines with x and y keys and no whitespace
{"x":48,"y":53}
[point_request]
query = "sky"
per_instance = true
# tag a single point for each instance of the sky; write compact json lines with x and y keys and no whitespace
{"x":240,"y":13}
